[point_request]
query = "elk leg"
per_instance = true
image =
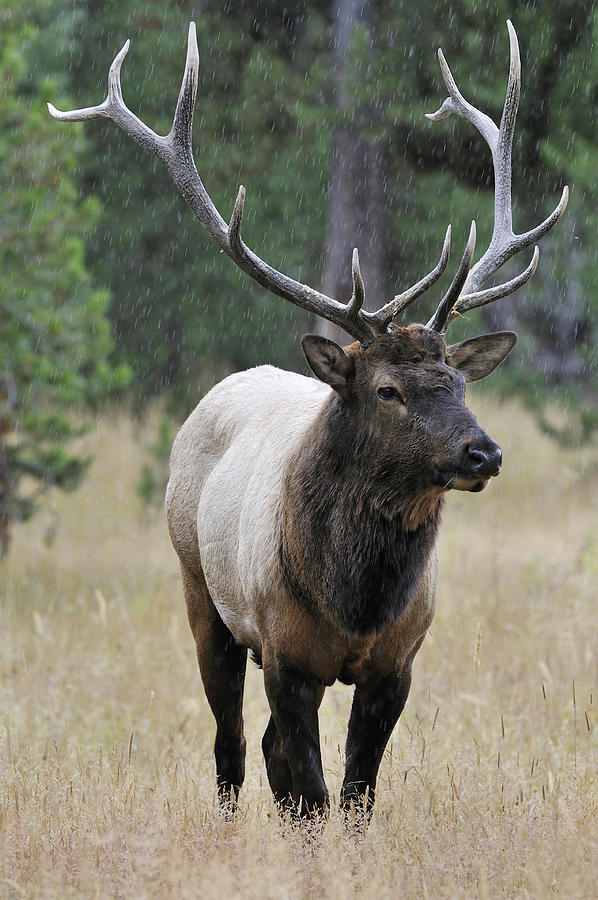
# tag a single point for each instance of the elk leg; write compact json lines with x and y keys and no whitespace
{"x":376,"y":709}
{"x":294,"y":702}
{"x":222,"y":663}
{"x":277,"y":766}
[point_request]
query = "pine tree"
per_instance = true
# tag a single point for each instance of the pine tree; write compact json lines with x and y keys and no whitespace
{"x":54,"y":334}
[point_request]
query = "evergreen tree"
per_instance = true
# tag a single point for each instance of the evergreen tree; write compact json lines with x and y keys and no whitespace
{"x":54,"y":334}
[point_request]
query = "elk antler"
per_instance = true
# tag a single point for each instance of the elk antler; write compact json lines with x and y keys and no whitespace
{"x":174,"y":149}
{"x":505,"y":243}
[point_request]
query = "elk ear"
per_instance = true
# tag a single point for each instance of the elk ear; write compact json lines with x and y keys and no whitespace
{"x":329,"y":363}
{"x":479,"y":356}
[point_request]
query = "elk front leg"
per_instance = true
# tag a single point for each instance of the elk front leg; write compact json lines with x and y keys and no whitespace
{"x":376,"y":708}
{"x":277,"y":766}
{"x":293,"y":738}
{"x":222,"y":664}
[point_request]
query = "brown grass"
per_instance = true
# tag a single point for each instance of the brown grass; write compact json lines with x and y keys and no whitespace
{"x":488,"y":789}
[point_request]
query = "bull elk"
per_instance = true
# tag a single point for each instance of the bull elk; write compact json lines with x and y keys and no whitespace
{"x":305,"y":512}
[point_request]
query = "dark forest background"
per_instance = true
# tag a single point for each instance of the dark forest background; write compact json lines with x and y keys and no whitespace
{"x":110,"y":288}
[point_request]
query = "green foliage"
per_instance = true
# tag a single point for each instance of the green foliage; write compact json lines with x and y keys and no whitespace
{"x":54,"y":335}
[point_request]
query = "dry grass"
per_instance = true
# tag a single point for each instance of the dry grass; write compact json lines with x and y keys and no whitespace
{"x":488,"y":789}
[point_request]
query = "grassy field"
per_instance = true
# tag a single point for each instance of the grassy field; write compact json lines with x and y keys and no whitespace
{"x":488,"y":789}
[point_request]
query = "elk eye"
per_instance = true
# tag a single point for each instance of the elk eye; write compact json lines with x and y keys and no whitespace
{"x":388,"y":393}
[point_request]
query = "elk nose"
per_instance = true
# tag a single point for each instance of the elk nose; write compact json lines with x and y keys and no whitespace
{"x":484,"y":459}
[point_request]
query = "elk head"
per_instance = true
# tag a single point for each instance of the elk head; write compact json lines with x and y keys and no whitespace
{"x":401,"y":400}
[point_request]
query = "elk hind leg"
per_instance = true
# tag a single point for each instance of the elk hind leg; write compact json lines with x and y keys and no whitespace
{"x":222,"y":664}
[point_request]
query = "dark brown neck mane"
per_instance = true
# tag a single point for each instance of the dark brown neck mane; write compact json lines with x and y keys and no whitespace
{"x":353,"y":541}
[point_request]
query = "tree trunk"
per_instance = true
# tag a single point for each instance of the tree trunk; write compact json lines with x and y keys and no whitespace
{"x":356,"y":197}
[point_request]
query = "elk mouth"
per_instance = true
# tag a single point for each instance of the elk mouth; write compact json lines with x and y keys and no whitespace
{"x":461,"y":481}
{"x":478,"y":486}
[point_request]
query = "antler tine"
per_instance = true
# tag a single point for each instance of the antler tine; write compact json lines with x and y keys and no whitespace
{"x":387,"y":313}
{"x":521,"y":241}
{"x":439,"y":321}
{"x":115,"y":94}
{"x":481,"y":298}
{"x":457,"y":104}
{"x":234,"y":226}
{"x":505,"y":243}
{"x":182,"y":122}
{"x":502,"y":154}
{"x":358,"y":296}
{"x":114,"y":108}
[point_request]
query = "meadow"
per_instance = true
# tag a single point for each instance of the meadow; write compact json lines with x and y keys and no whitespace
{"x":489,"y":787}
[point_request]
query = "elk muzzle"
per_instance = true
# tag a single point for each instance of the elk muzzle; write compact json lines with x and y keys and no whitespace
{"x":485,"y":458}
{"x":477,"y":460}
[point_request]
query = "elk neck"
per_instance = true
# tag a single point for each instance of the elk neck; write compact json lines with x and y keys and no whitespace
{"x":354,"y":536}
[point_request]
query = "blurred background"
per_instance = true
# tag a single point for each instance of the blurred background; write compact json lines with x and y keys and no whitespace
{"x":111,"y":291}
